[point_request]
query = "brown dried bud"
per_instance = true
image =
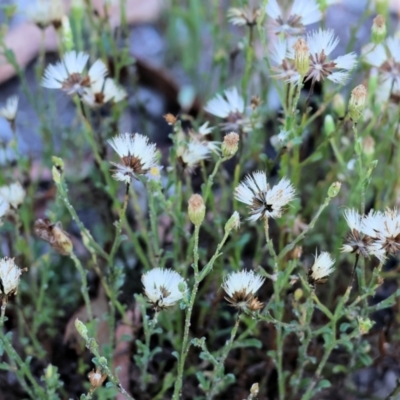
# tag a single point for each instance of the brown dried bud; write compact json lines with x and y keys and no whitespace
{"x":54,"y":235}
{"x":196,"y":209}
{"x":255,"y":102}
{"x":254,"y":305}
{"x":96,"y":379}
{"x":171,"y":119}
{"x":379,"y":29}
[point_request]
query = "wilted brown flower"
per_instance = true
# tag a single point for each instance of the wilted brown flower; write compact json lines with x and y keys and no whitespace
{"x":54,"y":235}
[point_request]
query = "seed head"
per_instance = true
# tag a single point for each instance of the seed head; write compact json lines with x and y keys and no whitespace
{"x":9,"y":277}
{"x":54,"y":235}
{"x":96,"y":379}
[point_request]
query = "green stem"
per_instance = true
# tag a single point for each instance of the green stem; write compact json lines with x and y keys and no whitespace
{"x":210,"y":180}
{"x":84,"y":287}
{"x":219,"y":368}
{"x":291,"y":245}
{"x":185,"y":343}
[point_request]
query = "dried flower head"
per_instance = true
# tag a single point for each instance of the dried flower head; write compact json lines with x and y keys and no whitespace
{"x":243,"y":16}
{"x":138,"y":156}
{"x":55,"y":235}
{"x":384,"y":228}
{"x":96,"y":379}
{"x":4,"y":207}
{"x":68,"y":74}
{"x":241,"y":287}
{"x":321,"y":269}
{"x":321,"y":43}
{"x":230,"y":145}
{"x":230,"y":105}
{"x":46,"y":12}
{"x":357,"y":241}
{"x":163,"y":287}
{"x":13,"y":194}
{"x":102,"y":91}
{"x":283,"y":65}
{"x":263,"y":201}
{"x":302,"y":13}
{"x":170,"y":119}
{"x":9,"y":111}
{"x":9,"y":277}
{"x":196,"y":209}
{"x":386,"y":57}
{"x":191,"y":153}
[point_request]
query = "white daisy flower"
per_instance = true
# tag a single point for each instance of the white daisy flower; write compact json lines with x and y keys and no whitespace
{"x":154,"y":173}
{"x":321,"y":269}
{"x":68,"y":74}
{"x":192,"y":153}
{"x":102,"y":91}
{"x":9,"y":111}
{"x":13,"y":194}
{"x":9,"y":277}
{"x":46,"y":12}
{"x":282,"y":60}
{"x":225,"y":106}
{"x":357,"y":241}
{"x":4,"y":207}
{"x":241,"y":287}
{"x":321,"y":43}
{"x":243,"y":16}
{"x":385,"y":229}
{"x":138,"y":156}
{"x":163,"y":287}
{"x":302,"y":13}
{"x":263,"y":201}
{"x":386,"y":57}
{"x":200,"y":136}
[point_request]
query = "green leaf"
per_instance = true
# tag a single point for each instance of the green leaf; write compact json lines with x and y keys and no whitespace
{"x":247,"y":343}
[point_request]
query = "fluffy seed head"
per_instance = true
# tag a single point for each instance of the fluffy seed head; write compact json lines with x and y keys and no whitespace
{"x":321,"y":269}
{"x":137,"y":155}
{"x":96,"y":379}
{"x":263,"y":201}
{"x":241,"y":287}
{"x":13,"y":194}
{"x":163,"y":287}
{"x":9,"y":277}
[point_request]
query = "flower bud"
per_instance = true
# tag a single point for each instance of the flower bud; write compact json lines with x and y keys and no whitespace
{"x":368,"y":145}
{"x":96,"y":379}
{"x":254,"y":389}
{"x":196,"y":209}
{"x":339,"y":105}
{"x":357,"y":102}
{"x":233,"y":222}
{"x":301,"y":56}
{"x":329,"y":125}
{"x":9,"y":277}
{"x":378,"y":29}
{"x":364,"y":325}
{"x":298,"y":294}
{"x":334,"y":189}
{"x":82,"y":330}
{"x":230,"y":145}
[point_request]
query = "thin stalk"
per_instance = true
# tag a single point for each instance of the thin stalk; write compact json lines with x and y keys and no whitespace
{"x":210,"y":180}
{"x":84,"y":287}
{"x":118,"y":225}
{"x":219,"y":368}
{"x":185,"y":343}
{"x":291,"y":245}
{"x":3,"y":311}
